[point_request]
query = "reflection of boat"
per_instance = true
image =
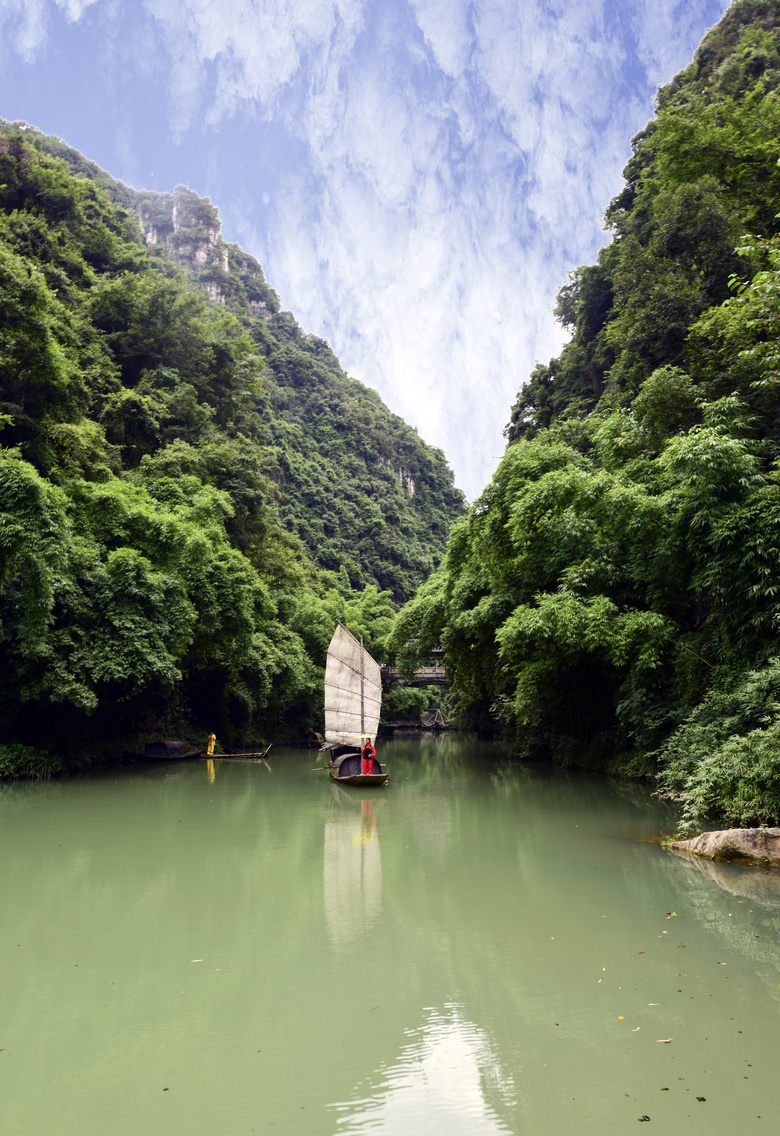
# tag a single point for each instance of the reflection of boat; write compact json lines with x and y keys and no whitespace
{"x":352,"y":799}
{"x":166,"y":751}
{"x":352,"y":873}
{"x":353,"y":701}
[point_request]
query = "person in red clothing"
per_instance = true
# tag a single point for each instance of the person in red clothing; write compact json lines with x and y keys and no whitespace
{"x":368,"y":753}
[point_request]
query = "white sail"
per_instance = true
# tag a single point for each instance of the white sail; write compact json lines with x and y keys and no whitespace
{"x":353,"y":691}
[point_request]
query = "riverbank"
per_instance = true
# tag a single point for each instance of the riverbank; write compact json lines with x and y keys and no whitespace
{"x":18,"y":762}
{"x":735,"y":845}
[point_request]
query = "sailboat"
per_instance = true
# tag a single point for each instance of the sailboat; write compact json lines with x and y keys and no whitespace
{"x":353,"y":701}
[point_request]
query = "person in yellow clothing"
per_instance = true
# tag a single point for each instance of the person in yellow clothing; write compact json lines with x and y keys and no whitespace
{"x":210,"y":747}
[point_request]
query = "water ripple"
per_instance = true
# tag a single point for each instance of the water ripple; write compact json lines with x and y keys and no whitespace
{"x":442,"y":1082}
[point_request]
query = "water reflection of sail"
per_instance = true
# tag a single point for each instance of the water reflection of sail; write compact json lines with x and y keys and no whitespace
{"x":352,"y":875}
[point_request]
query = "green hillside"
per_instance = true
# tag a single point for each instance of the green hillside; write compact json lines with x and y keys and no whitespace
{"x":614,"y":595}
{"x":191,"y":489}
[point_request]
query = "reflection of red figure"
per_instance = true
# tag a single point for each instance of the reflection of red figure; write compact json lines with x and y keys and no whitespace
{"x":368,"y":754}
{"x":368,"y":825}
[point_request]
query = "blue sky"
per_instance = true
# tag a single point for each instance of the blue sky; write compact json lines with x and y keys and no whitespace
{"x":415,"y":176}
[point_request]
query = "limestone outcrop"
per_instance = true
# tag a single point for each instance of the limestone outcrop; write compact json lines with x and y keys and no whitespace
{"x":745,"y":845}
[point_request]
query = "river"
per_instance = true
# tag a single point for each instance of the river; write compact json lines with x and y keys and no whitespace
{"x":210,"y":949}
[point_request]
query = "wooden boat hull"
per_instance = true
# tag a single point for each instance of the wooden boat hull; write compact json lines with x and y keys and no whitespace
{"x":358,"y":779}
{"x":236,"y":756}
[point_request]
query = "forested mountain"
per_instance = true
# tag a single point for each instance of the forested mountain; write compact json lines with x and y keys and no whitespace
{"x":191,"y":489}
{"x":614,"y":595}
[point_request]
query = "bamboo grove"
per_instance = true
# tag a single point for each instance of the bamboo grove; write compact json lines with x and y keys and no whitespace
{"x":613,"y":597}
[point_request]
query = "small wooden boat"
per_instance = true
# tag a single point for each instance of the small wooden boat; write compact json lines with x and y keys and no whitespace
{"x":166,"y":751}
{"x":347,"y":770}
{"x":353,"y":701}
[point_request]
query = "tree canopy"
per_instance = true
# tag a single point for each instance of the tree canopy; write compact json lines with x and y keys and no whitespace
{"x":614,"y":595}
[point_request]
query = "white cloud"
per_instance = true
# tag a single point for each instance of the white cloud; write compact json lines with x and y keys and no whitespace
{"x":258,"y":46}
{"x":74,"y":9}
{"x":445,"y":26}
{"x":23,"y":26}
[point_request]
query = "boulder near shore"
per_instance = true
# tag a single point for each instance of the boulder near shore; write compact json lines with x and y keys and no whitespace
{"x":746,"y":845}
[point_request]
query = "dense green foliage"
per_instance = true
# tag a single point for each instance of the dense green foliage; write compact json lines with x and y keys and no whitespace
{"x":409,"y":702}
{"x":191,"y":490}
{"x":614,"y":595}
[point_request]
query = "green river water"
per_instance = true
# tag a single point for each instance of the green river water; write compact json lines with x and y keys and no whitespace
{"x":476,"y":948}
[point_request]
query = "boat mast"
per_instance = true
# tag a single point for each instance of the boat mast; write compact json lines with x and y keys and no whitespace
{"x":362,"y":709}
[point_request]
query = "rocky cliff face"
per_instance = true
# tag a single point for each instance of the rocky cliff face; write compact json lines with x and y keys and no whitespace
{"x":740,"y":845}
{"x":189,"y":229}
{"x":406,"y":480}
